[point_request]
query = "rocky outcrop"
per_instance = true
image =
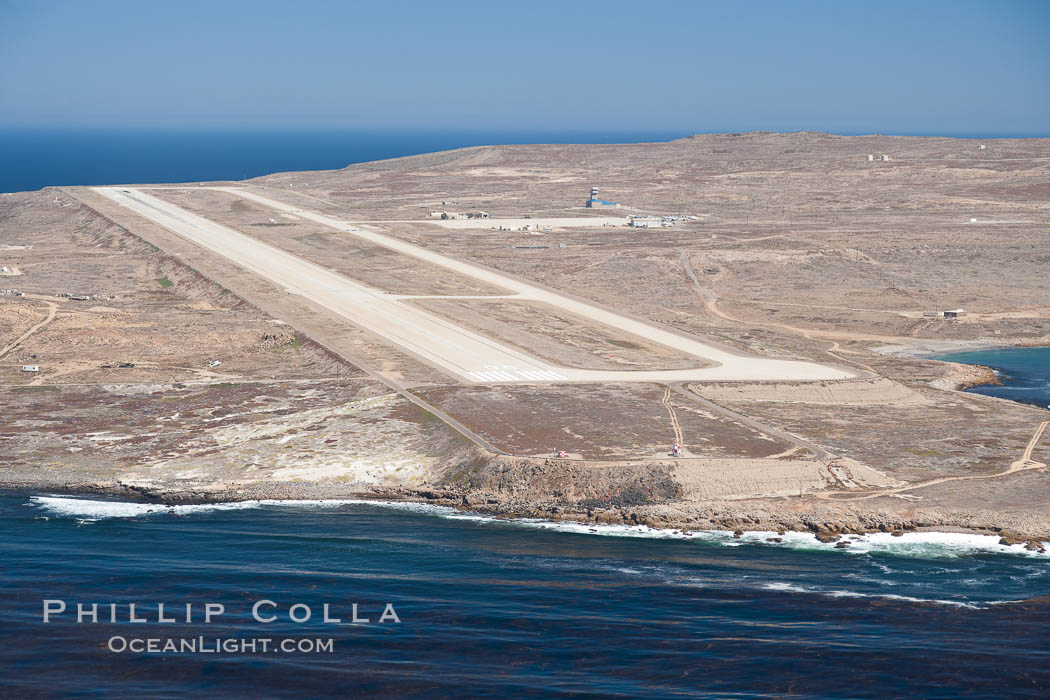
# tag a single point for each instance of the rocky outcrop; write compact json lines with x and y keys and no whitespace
{"x":1010,"y":537}
{"x":959,"y":377}
{"x":566,"y":482}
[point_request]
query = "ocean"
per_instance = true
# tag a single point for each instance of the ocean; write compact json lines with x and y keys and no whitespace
{"x":496,"y":608}
{"x":1024,"y":373}
{"x":31,"y":158}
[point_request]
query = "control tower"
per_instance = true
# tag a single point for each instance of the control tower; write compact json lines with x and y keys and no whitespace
{"x":595,"y":203}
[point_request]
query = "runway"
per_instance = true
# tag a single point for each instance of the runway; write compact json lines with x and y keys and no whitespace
{"x":468,"y":356}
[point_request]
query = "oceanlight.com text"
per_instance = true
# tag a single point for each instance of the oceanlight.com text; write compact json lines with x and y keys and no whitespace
{"x":219,"y":645}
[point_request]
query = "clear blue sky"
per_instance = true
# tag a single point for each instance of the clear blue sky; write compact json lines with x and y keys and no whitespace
{"x":923,"y":66}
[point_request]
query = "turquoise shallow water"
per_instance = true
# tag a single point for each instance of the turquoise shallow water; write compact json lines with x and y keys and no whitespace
{"x":1024,"y":372}
{"x":509,"y":609}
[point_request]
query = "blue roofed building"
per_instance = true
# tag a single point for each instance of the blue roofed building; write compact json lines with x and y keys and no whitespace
{"x":595,"y":203}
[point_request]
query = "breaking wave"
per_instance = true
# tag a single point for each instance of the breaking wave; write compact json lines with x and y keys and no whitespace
{"x":839,"y":593}
{"x":910,"y":544}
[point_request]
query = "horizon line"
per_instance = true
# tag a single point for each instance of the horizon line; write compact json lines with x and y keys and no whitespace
{"x":674,"y":133}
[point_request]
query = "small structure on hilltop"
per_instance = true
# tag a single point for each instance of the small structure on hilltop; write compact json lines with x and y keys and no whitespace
{"x":595,"y":203}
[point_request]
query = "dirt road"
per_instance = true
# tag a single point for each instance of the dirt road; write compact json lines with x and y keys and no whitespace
{"x":675,"y":425}
{"x":819,"y":453}
{"x":1024,"y":464}
{"x":52,"y":308}
{"x":710,"y":300}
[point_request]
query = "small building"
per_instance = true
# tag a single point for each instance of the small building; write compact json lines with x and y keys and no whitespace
{"x":649,"y":222}
{"x":30,"y":368}
{"x":885,"y":157}
{"x":871,"y":157}
{"x":953,"y":313}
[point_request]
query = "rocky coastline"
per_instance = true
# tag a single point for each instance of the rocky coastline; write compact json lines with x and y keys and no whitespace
{"x":827,"y":521}
{"x":960,"y":377}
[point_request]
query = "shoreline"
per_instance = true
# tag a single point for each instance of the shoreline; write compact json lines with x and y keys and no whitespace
{"x":655,"y":506}
{"x":930,"y":349}
{"x":960,"y":376}
{"x":827,"y":523}
{"x":964,"y":376}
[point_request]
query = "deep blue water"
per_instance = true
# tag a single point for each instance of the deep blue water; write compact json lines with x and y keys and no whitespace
{"x":501,"y":609}
{"x":35,"y":158}
{"x":1024,"y":372}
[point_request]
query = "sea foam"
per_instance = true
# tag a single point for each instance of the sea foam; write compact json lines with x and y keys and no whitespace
{"x":911,"y":544}
{"x":839,"y":593}
{"x":90,"y":509}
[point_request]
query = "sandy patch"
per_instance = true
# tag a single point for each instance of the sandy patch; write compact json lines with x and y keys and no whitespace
{"x":357,"y":442}
{"x":728,"y":479}
{"x":861,"y":392}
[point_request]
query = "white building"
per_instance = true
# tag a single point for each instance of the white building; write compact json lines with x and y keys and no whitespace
{"x":650,"y":222}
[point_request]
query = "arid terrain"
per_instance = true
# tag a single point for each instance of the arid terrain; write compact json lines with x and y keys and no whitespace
{"x":776,"y":331}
